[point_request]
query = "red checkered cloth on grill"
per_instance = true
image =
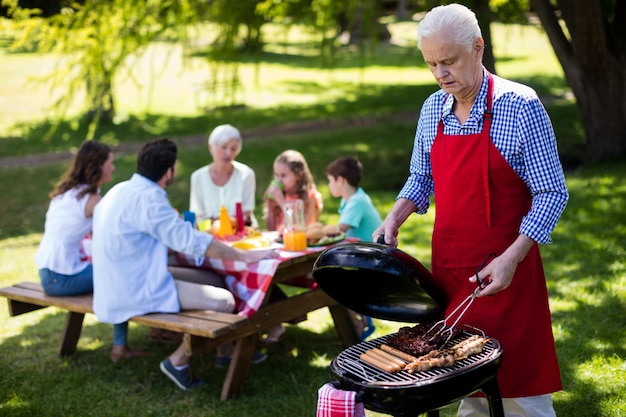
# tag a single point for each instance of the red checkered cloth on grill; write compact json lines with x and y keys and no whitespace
{"x":248,"y":282}
{"x":334,"y":402}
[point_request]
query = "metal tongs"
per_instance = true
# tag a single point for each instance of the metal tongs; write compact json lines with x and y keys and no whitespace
{"x":441,"y":327}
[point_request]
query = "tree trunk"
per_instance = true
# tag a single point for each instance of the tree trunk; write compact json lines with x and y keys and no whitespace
{"x":593,"y":60}
{"x":365,"y":25}
{"x":402,"y":11}
{"x":484,"y":16}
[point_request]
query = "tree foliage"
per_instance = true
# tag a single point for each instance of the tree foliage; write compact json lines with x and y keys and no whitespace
{"x":95,"y":41}
{"x":96,"y":38}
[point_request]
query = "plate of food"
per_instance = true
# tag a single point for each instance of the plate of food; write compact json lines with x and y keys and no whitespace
{"x":328,"y":240}
{"x":255,"y":243}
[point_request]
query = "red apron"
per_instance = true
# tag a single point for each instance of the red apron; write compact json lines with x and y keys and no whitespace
{"x":480,"y":202}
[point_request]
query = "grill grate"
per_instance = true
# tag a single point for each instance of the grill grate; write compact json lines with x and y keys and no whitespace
{"x":352,"y":367}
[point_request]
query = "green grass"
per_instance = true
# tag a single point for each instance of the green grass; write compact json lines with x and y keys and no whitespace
{"x":586,"y":269}
{"x":586,"y":266}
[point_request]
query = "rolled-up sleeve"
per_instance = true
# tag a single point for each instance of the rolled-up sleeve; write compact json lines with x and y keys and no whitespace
{"x":521,"y":131}
{"x":543,"y":173}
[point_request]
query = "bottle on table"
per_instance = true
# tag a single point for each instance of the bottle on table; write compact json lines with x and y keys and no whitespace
{"x":226,"y":227}
{"x":239,"y":216}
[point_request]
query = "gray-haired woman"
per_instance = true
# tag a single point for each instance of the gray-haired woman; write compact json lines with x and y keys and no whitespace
{"x":224,"y":182}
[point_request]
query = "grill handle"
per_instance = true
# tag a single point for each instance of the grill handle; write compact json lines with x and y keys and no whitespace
{"x":359,"y":394}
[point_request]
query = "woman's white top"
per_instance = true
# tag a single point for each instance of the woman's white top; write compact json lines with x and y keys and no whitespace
{"x":206,"y":198}
{"x":60,"y":249}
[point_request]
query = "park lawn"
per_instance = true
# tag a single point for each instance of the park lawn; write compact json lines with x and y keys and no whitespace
{"x":586,"y":265}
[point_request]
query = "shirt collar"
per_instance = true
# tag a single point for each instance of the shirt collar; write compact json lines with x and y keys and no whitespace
{"x":146,"y":182}
{"x":477,"y":110}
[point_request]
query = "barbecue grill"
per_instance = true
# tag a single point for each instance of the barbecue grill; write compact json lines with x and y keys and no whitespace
{"x":386,"y":283}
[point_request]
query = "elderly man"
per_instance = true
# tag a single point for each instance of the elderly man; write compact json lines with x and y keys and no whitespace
{"x":485,"y":148}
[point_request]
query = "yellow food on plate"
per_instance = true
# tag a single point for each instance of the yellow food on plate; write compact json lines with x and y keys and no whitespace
{"x":254,"y":242}
{"x":205,"y":225}
{"x":251,"y":231}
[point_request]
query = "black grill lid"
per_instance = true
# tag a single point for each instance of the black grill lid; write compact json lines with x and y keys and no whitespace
{"x":379,"y":281}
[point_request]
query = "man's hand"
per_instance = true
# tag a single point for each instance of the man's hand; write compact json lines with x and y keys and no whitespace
{"x":498,"y":275}
{"x":400,"y":211}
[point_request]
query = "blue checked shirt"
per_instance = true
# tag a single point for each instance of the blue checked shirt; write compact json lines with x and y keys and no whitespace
{"x":522,"y":132}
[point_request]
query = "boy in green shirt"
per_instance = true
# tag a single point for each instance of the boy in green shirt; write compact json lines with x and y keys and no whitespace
{"x":357,"y":215}
{"x":358,"y":218}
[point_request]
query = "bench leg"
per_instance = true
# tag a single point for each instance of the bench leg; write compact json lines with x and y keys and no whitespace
{"x":343,"y":325}
{"x":20,"y":307}
{"x":239,"y":367}
{"x":71,"y":332}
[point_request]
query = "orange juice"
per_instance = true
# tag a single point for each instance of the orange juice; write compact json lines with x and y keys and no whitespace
{"x":295,"y":240}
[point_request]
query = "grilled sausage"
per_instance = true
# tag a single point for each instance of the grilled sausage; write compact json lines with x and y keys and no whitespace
{"x":398,"y":353}
{"x":379,"y":363}
{"x":388,"y":357}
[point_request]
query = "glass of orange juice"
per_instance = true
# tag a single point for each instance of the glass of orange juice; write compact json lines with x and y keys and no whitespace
{"x":295,"y":240}
{"x":294,"y":234}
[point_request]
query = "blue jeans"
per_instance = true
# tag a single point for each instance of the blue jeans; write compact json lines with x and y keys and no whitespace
{"x":120,"y":334}
{"x":59,"y":284}
{"x":81,"y":283}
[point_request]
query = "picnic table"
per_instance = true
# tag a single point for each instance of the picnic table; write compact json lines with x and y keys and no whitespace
{"x":250,"y":283}
{"x":261,"y":301}
{"x":258,"y":296}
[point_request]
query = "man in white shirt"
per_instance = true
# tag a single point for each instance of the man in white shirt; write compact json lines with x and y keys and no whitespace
{"x":134,"y":226}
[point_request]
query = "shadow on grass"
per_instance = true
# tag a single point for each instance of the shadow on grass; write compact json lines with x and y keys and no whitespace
{"x":584,"y":266}
{"x":355,"y":101}
{"x":308,"y":56}
{"x":35,"y":382}
{"x":352,"y":101}
{"x":590,"y":235}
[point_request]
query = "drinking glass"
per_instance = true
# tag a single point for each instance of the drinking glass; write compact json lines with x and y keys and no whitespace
{"x":294,"y":233}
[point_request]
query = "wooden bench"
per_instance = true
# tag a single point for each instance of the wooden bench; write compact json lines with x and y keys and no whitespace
{"x":202,"y":330}
{"x":29,"y":296}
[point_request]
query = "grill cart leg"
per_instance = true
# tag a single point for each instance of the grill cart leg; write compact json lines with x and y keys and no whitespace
{"x":492,"y":391}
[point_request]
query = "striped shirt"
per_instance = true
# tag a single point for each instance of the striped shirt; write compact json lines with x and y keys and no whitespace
{"x":521,"y":130}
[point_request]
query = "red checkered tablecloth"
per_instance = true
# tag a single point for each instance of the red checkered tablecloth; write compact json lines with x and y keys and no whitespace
{"x":248,"y":282}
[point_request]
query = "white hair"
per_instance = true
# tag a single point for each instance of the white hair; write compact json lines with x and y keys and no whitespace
{"x":456,"y":19}
{"x":224,"y":133}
